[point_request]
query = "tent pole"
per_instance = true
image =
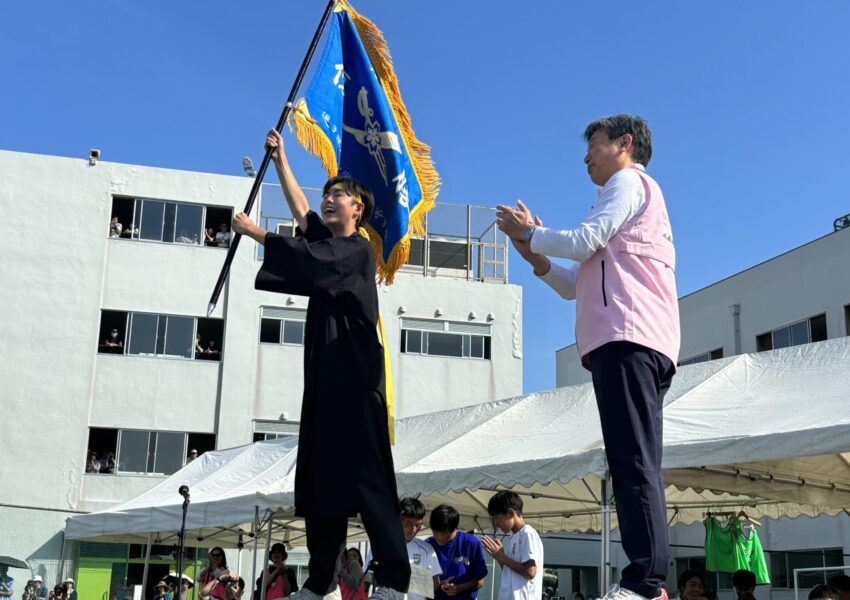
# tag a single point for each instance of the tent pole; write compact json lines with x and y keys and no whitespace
{"x":266,"y":559}
{"x":605,"y":562}
{"x":145,"y":570}
{"x":256,"y":529}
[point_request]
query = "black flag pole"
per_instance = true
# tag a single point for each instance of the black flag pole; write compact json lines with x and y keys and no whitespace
{"x":261,"y":172}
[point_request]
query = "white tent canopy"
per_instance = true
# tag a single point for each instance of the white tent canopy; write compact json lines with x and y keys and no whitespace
{"x":767,"y":432}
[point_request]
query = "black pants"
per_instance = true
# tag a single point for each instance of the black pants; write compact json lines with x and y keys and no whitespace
{"x":382,"y":520}
{"x":630,"y":382}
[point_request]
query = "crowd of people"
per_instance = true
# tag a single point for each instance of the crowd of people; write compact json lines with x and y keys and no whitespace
{"x":220,"y":238}
{"x":35,"y":588}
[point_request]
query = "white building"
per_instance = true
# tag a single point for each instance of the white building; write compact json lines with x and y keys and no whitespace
{"x":64,"y":391}
{"x":798,"y":297}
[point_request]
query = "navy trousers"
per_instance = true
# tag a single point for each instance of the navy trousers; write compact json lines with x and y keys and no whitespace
{"x":630,"y":382}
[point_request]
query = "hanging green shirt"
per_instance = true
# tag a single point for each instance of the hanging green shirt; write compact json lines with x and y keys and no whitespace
{"x":749,"y":554}
{"x":719,"y":547}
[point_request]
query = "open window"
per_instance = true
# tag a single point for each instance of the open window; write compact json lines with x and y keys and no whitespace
{"x":112,"y":338}
{"x":216,"y":223}
{"x":102,"y":448}
{"x":121,"y":223}
{"x":209,"y":339}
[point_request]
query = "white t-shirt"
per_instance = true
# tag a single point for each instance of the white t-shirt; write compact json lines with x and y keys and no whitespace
{"x":522,"y":546}
{"x":421,"y":554}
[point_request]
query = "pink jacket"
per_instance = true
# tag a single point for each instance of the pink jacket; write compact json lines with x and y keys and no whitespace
{"x":626,"y":290}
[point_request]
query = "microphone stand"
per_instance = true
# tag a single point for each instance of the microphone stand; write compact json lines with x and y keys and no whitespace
{"x":183,"y":491}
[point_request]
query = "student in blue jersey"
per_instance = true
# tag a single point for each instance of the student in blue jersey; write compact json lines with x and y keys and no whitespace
{"x":521,"y":555}
{"x":461,"y":556}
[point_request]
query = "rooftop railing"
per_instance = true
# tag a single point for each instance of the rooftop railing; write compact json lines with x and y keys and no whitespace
{"x":461,"y":241}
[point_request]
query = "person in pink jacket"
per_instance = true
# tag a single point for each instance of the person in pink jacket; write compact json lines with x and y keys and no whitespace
{"x":627,"y":327}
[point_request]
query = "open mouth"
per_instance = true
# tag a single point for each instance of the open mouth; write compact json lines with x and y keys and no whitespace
{"x":328,"y":210}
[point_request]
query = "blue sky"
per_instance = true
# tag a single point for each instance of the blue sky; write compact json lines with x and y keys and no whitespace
{"x":749,"y":104}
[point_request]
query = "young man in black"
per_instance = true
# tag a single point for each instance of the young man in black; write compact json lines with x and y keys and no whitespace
{"x":344,"y":385}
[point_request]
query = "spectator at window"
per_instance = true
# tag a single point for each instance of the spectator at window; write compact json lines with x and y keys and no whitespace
{"x":70,"y":589}
{"x":115,"y":228}
{"x":199,"y":346}
{"x":193,"y":454}
{"x":222,"y":238}
{"x":130,"y":232}
{"x":209,"y":237}
{"x":212,"y":351}
{"x":59,"y":592}
{"x":114,"y":343}
{"x":93,"y":466}
{"x":107,"y":465}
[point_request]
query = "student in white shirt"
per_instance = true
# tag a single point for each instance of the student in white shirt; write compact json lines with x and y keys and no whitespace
{"x":521,"y":555}
{"x":420,"y":553}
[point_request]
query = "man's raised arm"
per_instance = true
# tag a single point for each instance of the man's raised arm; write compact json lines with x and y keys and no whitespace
{"x":291,"y":190}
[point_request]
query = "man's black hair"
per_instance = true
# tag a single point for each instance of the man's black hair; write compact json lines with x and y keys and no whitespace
{"x":742,"y":578}
{"x":825,"y":592}
{"x":619,"y":125}
{"x":353,"y":188}
{"x":412,"y":507}
{"x":502,"y":501}
{"x":689,"y":574}
{"x":444,"y":518}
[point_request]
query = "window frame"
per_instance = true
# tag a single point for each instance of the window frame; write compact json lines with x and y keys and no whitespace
{"x":282,"y":323}
{"x":790,"y":329}
{"x":130,"y":314}
{"x":446,"y":329}
{"x":138,"y":212}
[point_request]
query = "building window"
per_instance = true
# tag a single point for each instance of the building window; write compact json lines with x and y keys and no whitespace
{"x":141,"y":452}
{"x":145,"y":334}
{"x":273,"y":430}
{"x":704,"y":357}
{"x":808,"y":330}
{"x":445,"y":338}
{"x":783,"y":564}
{"x":170,"y":222}
{"x":847,"y":319}
{"x":282,"y":326}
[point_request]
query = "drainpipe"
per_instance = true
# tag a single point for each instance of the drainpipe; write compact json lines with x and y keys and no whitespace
{"x":735,"y":309}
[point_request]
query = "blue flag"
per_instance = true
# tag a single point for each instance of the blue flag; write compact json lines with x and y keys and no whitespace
{"x":352,"y":117}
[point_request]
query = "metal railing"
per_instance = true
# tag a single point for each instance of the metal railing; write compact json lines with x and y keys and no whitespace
{"x":461,"y":241}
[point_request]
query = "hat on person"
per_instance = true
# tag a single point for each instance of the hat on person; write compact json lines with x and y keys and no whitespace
{"x":193,"y":451}
{"x":69,"y":580}
{"x":38,"y":578}
{"x":278,"y":547}
{"x":161,"y":584}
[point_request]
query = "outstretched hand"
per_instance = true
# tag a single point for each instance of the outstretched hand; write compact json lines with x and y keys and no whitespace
{"x":514,"y":221}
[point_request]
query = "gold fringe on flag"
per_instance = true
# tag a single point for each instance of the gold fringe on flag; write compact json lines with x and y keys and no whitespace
{"x":312,"y":138}
{"x":316,"y":142}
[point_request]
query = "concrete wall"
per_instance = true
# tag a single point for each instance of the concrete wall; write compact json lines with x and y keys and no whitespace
{"x":60,"y":270}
